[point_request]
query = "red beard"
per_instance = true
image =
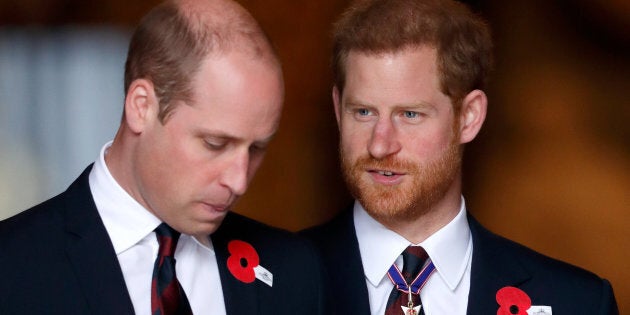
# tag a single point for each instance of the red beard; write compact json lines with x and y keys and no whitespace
{"x":424,"y":185}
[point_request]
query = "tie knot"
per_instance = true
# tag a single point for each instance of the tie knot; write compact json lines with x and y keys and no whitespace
{"x":167,"y":238}
{"x":414,"y":258}
{"x":417,"y":251}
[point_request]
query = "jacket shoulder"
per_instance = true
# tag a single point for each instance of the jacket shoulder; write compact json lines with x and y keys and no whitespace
{"x":49,"y":215}
{"x":532,"y":260}
{"x":547,"y":280}
{"x":32,"y":222}
{"x":328,"y":234}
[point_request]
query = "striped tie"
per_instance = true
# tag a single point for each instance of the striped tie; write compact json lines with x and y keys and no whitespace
{"x":414,"y":258}
{"x":167,"y":295}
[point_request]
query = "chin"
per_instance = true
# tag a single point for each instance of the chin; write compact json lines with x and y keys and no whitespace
{"x":389,"y":212}
{"x":203,"y":229}
{"x":202,"y":222}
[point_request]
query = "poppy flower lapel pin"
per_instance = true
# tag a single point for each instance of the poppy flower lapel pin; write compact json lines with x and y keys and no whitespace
{"x":514,"y":301}
{"x":244,"y":263}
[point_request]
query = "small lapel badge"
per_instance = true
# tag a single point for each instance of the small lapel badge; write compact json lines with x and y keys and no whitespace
{"x":264,"y":275}
{"x":539,"y":310}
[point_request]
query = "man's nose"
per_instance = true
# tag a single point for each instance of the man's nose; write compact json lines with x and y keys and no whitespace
{"x":384,"y":139}
{"x":234,"y":176}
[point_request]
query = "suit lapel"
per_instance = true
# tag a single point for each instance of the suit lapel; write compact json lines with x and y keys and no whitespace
{"x":492,"y":269}
{"x":347,"y":276}
{"x":239,"y":297}
{"x":91,"y":253}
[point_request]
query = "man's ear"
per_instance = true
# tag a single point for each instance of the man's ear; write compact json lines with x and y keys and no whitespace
{"x":472,"y":115}
{"x":141,"y":105}
{"x":336,"y":96}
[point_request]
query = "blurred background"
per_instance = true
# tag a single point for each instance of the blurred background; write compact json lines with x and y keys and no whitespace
{"x":550,"y":169}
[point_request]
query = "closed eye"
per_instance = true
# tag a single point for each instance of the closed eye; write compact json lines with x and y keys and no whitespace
{"x":215,"y":144}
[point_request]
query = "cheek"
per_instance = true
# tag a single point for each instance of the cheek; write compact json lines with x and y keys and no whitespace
{"x":427,"y":142}
{"x":350,"y":148}
{"x":354,"y":137}
{"x":178,"y":162}
{"x":203,"y":176}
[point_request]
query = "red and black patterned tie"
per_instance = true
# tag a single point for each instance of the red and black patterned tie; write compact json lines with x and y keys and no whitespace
{"x":167,"y":295}
{"x":414,"y":258}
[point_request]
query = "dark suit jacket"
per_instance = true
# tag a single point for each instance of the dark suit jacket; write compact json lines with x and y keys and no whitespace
{"x":496,"y":263}
{"x":57,"y":258}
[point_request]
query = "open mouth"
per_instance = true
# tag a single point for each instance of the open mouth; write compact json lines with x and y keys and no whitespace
{"x":386,"y":173}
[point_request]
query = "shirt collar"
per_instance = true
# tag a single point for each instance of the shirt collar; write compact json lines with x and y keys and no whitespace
{"x":126,"y":221}
{"x":379,"y":246}
{"x":450,"y":248}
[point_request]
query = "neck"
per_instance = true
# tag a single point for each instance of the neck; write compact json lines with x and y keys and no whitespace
{"x":117,"y":159}
{"x":418,"y":229}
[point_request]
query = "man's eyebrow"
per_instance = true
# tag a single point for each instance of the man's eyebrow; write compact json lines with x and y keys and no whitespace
{"x":417,"y":105}
{"x":215,"y":134}
{"x":414,"y":105}
{"x":226,"y":136}
{"x":355,"y":103}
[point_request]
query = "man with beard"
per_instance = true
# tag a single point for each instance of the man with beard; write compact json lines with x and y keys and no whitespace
{"x":408,"y":94}
{"x":147,"y":228}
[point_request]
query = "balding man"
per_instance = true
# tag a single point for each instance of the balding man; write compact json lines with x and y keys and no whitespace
{"x":147,"y":228}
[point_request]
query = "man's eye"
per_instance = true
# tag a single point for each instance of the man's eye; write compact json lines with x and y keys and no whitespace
{"x":214,"y":145}
{"x":363,"y":112}
{"x":410,"y":114}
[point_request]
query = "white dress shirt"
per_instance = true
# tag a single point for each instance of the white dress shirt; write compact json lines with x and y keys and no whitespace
{"x":130,"y":227}
{"x":450,"y":249}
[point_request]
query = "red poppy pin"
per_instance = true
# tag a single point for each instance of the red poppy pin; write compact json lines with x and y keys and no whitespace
{"x":244,"y":263}
{"x":513,"y":301}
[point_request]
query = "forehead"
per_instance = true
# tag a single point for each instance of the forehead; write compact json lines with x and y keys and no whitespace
{"x":408,"y":73}
{"x":234,"y":66}
{"x":238,"y":92}
{"x":410,"y":58}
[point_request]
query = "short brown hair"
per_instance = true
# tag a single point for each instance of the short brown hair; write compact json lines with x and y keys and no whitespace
{"x":462,"y":39}
{"x":171,"y":42}
{"x":165,"y":50}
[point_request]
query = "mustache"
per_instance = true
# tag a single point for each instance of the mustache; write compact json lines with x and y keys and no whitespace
{"x":387,"y":163}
